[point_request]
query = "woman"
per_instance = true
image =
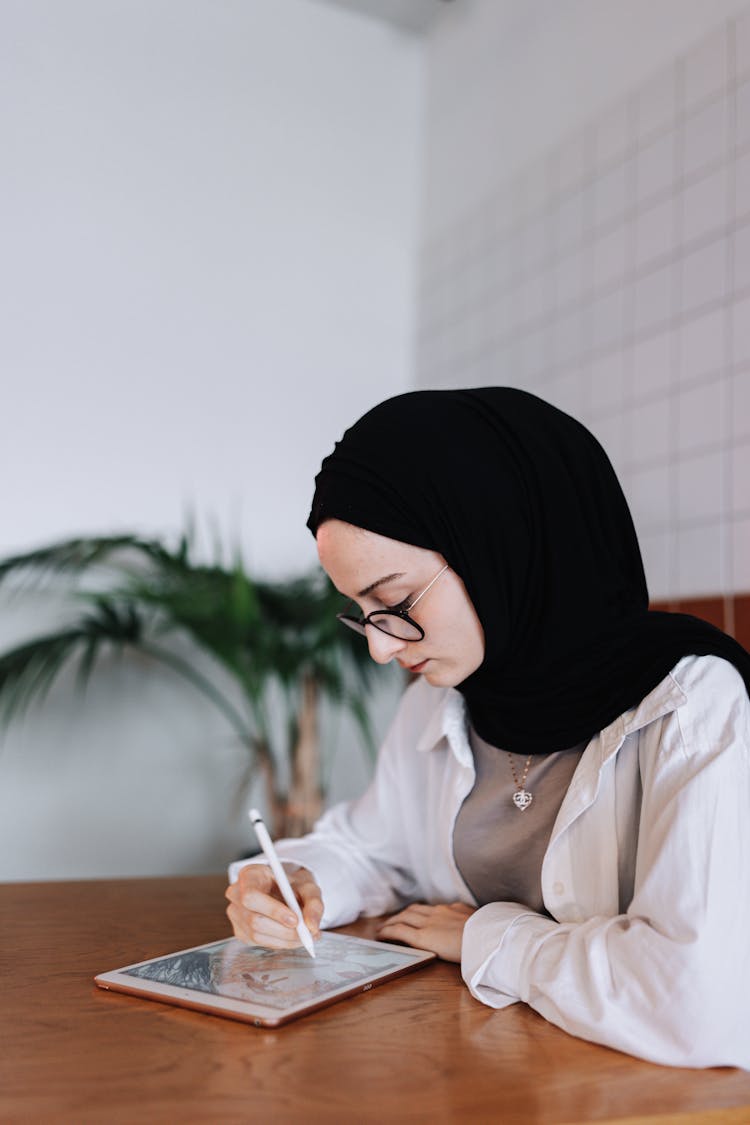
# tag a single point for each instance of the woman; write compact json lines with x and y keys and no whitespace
{"x":562,"y":802}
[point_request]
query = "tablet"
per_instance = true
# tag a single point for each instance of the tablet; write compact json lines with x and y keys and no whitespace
{"x":265,"y":987}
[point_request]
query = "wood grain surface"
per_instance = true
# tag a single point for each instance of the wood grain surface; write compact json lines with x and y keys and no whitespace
{"x":418,"y":1049}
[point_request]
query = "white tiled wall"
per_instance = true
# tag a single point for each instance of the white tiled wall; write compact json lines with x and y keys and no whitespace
{"x":612,"y":277}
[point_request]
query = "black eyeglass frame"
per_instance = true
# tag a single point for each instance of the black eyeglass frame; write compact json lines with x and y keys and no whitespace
{"x":358,"y":623}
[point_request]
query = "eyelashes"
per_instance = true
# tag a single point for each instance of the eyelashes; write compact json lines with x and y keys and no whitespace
{"x":402,"y":605}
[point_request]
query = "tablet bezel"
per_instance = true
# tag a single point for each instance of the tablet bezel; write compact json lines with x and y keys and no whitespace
{"x":256,"y":1014}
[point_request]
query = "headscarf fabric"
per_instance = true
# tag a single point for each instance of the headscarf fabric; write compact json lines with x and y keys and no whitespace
{"x":524,"y":505}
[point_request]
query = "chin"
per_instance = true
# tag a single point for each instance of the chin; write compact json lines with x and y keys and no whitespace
{"x":441,"y":677}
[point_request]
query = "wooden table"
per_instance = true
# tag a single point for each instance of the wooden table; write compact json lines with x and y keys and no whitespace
{"x":418,"y":1049}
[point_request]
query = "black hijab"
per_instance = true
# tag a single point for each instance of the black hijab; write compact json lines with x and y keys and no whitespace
{"x":524,"y":505}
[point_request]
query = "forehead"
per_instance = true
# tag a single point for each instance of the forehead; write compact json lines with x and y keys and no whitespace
{"x":354,"y":557}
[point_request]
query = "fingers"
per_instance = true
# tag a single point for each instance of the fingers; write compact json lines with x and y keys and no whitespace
{"x":309,"y":897}
{"x":258,"y":914}
{"x":414,"y":915}
{"x":254,"y":929}
{"x":406,"y":926}
{"x":415,"y":910}
{"x":437,"y":928}
{"x":256,"y":893}
{"x":399,"y":931}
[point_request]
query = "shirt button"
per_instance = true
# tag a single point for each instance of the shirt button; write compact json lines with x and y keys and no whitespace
{"x":558,"y":888}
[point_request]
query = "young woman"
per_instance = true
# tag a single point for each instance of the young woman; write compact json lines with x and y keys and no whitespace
{"x":562,"y":804}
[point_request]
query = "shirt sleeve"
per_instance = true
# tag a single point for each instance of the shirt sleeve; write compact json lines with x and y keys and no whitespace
{"x":669,"y":979}
{"x":359,"y":851}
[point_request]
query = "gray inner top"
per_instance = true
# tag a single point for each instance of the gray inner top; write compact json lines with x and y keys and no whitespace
{"x":498,"y":848}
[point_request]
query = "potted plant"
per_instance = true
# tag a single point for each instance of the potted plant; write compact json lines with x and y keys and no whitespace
{"x":275,"y":649}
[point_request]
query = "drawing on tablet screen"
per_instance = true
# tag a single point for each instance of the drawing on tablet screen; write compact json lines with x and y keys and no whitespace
{"x":276,"y":979}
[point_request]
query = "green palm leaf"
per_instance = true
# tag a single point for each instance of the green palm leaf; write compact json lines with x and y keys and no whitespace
{"x":125,"y":554}
{"x":261,"y":638}
{"x":28,"y":671}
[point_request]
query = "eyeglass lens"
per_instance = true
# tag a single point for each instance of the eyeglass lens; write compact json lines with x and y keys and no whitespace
{"x":389,"y":623}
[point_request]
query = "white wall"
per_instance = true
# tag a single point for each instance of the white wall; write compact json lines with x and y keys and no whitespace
{"x":506,"y":81}
{"x":207,"y":230}
{"x":586,"y":235}
{"x":207,"y":240}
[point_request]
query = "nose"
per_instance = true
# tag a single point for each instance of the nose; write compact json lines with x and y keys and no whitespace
{"x":382,"y":646}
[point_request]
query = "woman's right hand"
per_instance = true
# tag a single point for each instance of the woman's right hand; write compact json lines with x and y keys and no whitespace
{"x":258,"y":913}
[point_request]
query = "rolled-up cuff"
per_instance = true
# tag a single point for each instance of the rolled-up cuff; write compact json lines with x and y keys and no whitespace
{"x":495,"y":944}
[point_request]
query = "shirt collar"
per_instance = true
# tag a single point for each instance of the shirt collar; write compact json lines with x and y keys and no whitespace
{"x":667,"y":696}
{"x":448,"y":720}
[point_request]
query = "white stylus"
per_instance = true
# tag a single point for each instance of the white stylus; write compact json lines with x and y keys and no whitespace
{"x":280,"y":876}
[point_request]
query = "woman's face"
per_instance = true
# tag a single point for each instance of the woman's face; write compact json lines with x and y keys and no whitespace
{"x":377,"y":573}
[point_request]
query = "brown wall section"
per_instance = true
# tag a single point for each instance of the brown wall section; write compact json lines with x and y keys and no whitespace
{"x":742,"y":619}
{"x":730,"y":613}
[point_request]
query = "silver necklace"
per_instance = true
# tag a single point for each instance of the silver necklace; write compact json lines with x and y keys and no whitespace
{"x":522,"y":798}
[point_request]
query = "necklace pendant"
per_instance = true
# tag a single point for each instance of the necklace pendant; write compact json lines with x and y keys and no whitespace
{"x":522,"y":799}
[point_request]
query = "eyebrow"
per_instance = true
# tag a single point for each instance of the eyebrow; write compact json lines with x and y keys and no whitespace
{"x":380,"y":582}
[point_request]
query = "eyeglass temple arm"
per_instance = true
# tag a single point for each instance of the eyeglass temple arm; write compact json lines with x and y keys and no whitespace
{"x":411,"y":607}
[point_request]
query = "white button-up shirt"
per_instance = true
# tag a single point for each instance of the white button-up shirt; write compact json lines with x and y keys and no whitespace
{"x":646,"y":875}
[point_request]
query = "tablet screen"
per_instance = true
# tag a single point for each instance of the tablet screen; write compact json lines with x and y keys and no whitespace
{"x":272,"y":985}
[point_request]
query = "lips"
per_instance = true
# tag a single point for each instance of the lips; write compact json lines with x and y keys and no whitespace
{"x":415,"y":669}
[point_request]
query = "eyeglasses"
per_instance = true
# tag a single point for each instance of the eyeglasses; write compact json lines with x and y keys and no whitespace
{"x":395,"y":622}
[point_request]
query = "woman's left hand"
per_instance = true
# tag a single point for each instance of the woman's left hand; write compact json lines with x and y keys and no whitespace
{"x":436,"y":928}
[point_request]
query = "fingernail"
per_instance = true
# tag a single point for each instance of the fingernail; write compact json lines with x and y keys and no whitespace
{"x":290,"y":919}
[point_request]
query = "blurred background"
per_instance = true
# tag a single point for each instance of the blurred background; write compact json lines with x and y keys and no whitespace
{"x":231,"y":226}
